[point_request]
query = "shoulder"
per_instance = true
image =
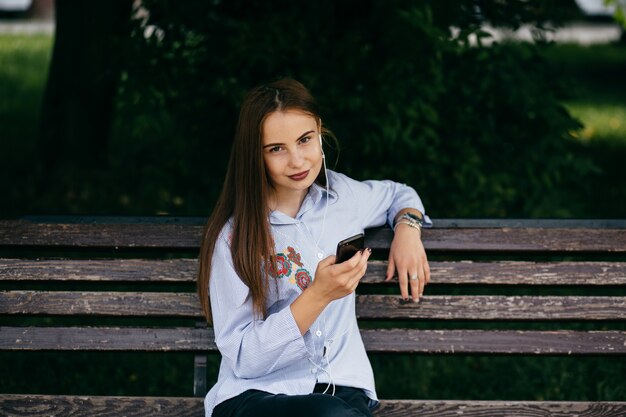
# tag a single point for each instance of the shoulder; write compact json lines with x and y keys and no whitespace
{"x":341,"y":182}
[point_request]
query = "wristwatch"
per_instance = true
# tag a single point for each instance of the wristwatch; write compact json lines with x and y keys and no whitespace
{"x":413,"y":220}
{"x":419,"y":218}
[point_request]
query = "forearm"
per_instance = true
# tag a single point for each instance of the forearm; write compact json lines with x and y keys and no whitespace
{"x":306,"y":309}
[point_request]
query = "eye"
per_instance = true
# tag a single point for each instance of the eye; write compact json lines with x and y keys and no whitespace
{"x":305,"y":139}
{"x":274,"y":149}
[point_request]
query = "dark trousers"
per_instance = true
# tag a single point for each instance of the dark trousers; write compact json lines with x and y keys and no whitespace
{"x":347,"y":402}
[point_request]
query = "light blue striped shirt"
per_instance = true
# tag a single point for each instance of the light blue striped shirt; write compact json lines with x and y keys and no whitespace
{"x":271,"y":355}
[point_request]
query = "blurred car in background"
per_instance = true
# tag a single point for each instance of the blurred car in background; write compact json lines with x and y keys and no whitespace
{"x":15,"y":6}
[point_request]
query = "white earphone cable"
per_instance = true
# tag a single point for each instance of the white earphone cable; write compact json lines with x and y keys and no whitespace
{"x":317,"y":243}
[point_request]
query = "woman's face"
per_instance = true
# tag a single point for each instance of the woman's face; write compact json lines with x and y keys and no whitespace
{"x":291,"y":151}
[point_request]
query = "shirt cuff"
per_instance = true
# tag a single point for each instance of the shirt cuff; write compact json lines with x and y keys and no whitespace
{"x":292,"y":326}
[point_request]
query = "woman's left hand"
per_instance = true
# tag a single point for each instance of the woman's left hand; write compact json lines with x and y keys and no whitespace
{"x":408,"y":257}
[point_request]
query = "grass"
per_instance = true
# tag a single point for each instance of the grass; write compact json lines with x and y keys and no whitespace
{"x":603,"y":122}
{"x":597,"y":88}
{"x":24,"y":64}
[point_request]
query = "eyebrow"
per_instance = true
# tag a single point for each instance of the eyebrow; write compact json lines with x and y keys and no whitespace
{"x":301,"y":136}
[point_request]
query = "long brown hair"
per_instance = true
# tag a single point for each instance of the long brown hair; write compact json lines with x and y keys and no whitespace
{"x":245,"y":192}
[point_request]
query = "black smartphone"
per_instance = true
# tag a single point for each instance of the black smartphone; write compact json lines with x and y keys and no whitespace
{"x":348,"y":247}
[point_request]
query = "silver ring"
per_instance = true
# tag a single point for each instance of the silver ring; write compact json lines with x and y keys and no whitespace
{"x":413,"y":277}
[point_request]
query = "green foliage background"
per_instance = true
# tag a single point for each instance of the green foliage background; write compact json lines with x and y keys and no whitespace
{"x":478,"y":131}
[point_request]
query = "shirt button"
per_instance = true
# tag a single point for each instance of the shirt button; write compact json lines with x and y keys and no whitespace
{"x":320,"y":255}
{"x":313,"y":370}
{"x":318,"y":333}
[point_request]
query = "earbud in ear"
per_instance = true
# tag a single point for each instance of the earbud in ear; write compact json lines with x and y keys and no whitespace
{"x":321,"y":147}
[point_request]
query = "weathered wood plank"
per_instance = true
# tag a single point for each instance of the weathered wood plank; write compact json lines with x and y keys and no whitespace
{"x":16,"y":405}
{"x":451,"y":223}
{"x":25,"y":233}
{"x":447,"y":223}
{"x":514,"y":273}
{"x":405,"y":408}
{"x":511,"y":240}
{"x":16,"y":233}
{"x":69,"y":303}
{"x":563,"y":342}
{"x":185,"y":270}
{"x":107,"y":339}
{"x":13,"y":405}
{"x":101,"y":270}
{"x":438,"y":307}
{"x":492,"y":307}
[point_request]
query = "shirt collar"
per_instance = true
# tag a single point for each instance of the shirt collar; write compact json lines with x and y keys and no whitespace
{"x":313,"y":198}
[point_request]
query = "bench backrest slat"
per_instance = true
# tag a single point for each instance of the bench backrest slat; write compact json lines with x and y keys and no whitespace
{"x":598,"y":273}
{"x":533,"y":342}
{"x":21,"y":233}
{"x":434,"y":307}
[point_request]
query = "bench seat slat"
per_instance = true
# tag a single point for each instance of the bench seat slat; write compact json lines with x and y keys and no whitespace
{"x":78,"y":406}
{"x":82,"y":406}
{"x":438,"y":307}
{"x":16,"y":233}
{"x":14,"y":405}
{"x":531,"y":342}
{"x":184,"y":270}
{"x":430,"y":408}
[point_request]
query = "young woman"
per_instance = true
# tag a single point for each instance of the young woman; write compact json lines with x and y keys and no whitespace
{"x":282,"y":309}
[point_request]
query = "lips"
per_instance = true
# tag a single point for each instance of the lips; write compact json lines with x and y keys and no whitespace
{"x":299,"y":176}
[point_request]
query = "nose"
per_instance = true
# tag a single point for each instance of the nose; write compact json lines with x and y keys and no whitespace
{"x":297,"y":158}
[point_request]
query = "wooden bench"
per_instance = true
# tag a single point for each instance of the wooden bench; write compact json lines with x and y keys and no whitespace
{"x":535,"y":254}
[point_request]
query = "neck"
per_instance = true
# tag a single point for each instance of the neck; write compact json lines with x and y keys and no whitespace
{"x":288,"y":203}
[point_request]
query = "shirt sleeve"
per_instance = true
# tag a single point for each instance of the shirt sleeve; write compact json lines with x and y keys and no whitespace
{"x":379,"y":202}
{"x":253,"y":347}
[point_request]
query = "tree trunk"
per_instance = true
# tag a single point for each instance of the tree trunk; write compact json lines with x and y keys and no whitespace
{"x":84,"y":73}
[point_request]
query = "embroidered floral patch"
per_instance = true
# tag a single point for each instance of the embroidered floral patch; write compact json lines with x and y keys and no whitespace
{"x":280,"y":268}
{"x":284,"y":267}
{"x":303,"y":278}
{"x":294,"y":256}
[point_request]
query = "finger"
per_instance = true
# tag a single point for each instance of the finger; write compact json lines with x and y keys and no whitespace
{"x":414,"y":284}
{"x":422,"y":281}
{"x":350,"y":264}
{"x":359,"y":270}
{"x":391,"y":268}
{"x":364,"y":259}
{"x":330,"y":260}
{"x":404,"y":285}
{"x":426,"y":271}
{"x":367,"y":252}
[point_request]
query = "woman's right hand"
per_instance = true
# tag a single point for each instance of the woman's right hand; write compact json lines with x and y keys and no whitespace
{"x":333,"y":281}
